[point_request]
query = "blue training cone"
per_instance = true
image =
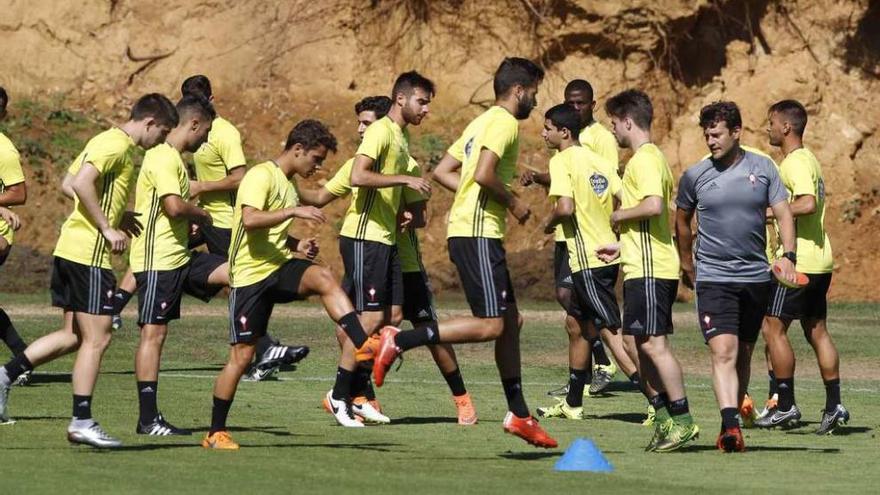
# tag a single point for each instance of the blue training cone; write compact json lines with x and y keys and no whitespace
{"x":583,"y":455}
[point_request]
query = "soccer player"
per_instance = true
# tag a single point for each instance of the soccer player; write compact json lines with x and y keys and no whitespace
{"x":263,"y":271}
{"x":802,"y":176}
{"x":82,"y":277}
{"x":13,"y":192}
{"x":481,"y":165}
{"x":160,"y":258}
{"x":418,"y":305}
{"x":579,"y":178}
{"x":650,"y":268}
{"x":732,"y":190}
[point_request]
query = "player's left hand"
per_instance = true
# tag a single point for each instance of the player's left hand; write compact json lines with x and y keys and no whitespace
{"x":11,"y":218}
{"x":786,"y":269}
{"x":195,"y":188}
{"x":308,"y":248}
{"x":608,"y":252}
{"x":404,"y":219}
{"x":130,"y":225}
{"x":549,"y":229}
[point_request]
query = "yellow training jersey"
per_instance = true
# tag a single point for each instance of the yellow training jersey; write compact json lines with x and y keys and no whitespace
{"x":256,"y":254}
{"x":802,"y":175}
{"x":340,"y":184}
{"x":110,"y":152}
{"x":10,"y":175}
{"x":163,"y":242}
{"x":214,"y":159}
{"x":372,"y":215}
{"x":574,"y":175}
{"x":474,"y":212}
{"x":408,"y":241}
{"x":647,"y":249}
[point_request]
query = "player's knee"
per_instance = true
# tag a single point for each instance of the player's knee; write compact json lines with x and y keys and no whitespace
{"x":563,"y":297}
{"x":98,"y":342}
{"x":323,"y":281}
{"x":242,"y":355}
{"x":396,"y":317}
{"x":492,"y":328}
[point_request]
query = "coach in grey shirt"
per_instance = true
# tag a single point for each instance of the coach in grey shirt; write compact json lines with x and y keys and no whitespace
{"x":730,"y":192}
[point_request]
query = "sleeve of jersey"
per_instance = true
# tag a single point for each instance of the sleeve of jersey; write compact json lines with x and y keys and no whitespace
{"x":340,"y":184}
{"x":164,"y":177}
{"x":10,"y":168}
{"x":776,"y":189}
{"x":376,"y":141}
{"x":647,"y":177}
{"x":457,"y":149}
{"x":254,"y":189}
{"x":608,"y":150}
{"x":798,"y":178}
{"x":499,"y":135}
{"x":615,"y":185}
{"x":76,"y":164}
{"x":687,"y":195}
{"x":229,"y":147}
{"x":560,"y":180}
{"x":103,"y":158}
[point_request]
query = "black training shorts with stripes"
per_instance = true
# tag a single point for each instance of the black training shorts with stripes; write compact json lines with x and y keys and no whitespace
{"x":372,"y":274}
{"x":482,"y":268}
{"x":734,"y":308}
{"x":251,"y":306}
{"x":216,"y":239}
{"x":82,"y":288}
{"x":596,"y":300}
{"x":160,"y":291}
{"x":805,"y":303}
{"x":561,"y":267}
{"x":647,"y":306}
{"x":418,"y":306}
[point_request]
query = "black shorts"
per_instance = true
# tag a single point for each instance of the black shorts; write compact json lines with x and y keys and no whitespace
{"x":808,"y":302}
{"x":251,"y":306}
{"x":418,"y":304}
{"x":561,"y":268}
{"x":732,"y":308}
{"x":482,"y":268}
{"x":647,"y":306}
{"x":216,"y":239}
{"x":160,"y":291}
{"x":595,"y":298}
{"x":82,"y":288}
{"x":372,"y":277}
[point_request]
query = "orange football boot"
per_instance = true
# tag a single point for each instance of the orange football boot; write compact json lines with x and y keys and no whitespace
{"x":528,"y":430}
{"x":220,"y":440}
{"x":731,"y":440}
{"x":467,"y":415}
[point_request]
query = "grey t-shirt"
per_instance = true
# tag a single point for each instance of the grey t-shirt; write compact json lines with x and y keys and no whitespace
{"x":731,"y":207}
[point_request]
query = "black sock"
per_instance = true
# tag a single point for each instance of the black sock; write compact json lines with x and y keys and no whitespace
{"x":786,"y":393}
{"x":263,"y":345}
{"x":9,"y":335}
{"x":360,"y":382}
{"x":832,"y":394}
{"x":417,"y":337}
{"x":658,"y":402}
{"x":351,"y":325}
{"x":120,"y":300}
{"x":678,"y":407}
{"x":599,"y":355}
{"x":455,"y":382}
{"x":147,"y":401}
{"x":17,"y":366}
{"x":82,"y":406}
{"x":635,"y":380}
{"x":728,"y":418}
{"x":773,"y":387}
{"x":219,"y":414}
{"x":342,"y":387}
{"x":577,"y":379}
{"x":516,"y":403}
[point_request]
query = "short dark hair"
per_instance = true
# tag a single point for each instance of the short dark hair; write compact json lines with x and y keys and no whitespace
{"x":4,"y":99}
{"x":794,"y":113}
{"x":581,"y":86}
{"x":158,"y":107}
{"x":515,"y":71}
{"x":380,"y":105}
{"x":191,"y":104}
{"x":198,"y":85}
{"x":564,"y":116}
{"x":721,"y":111}
{"x":310,"y":134}
{"x":406,"y":82}
{"x":634,"y":104}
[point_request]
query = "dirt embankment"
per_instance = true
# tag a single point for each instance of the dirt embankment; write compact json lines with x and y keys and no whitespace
{"x":273,"y":63}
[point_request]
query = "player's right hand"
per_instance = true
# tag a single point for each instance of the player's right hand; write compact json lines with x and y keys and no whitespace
{"x":527,"y":178}
{"x":608,"y":252}
{"x":118,"y":240}
{"x":309,"y":213}
{"x":688,"y":275}
{"x":420,"y":185}
{"x":11,"y":218}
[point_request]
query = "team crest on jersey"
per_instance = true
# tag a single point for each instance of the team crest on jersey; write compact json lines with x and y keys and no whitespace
{"x":599,"y":183}
{"x":468,"y":147}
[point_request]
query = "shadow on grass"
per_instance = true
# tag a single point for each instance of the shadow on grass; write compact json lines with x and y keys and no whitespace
{"x":20,"y":419}
{"x":529,"y":456}
{"x":46,"y":378}
{"x":426,"y":420}
{"x":277,"y":431}
{"x":376,"y":447}
{"x":762,"y":448}
{"x":635,"y":418}
{"x":216,"y":368}
{"x":840,"y":431}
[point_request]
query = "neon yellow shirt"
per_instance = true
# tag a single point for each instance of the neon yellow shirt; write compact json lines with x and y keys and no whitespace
{"x":408,"y":242}
{"x":802,"y":175}
{"x":10,"y":175}
{"x":213,"y":160}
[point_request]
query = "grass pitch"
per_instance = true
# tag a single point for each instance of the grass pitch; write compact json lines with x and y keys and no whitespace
{"x":290,"y":444}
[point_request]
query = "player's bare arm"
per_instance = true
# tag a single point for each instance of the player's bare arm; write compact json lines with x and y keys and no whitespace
{"x":254,"y":218}
{"x":650,"y":206}
{"x":447,"y":173}
{"x":13,"y":195}
{"x":175,"y":207}
{"x":67,"y":185}
{"x":319,"y":198}
{"x":564,"y":209}
{"x":805,"y":204}
{"x":685,"y":234}
{"x":228,"y":183}
{"x":785,"y":221}
{"x":362,"y":176}
{"x":83,"y":186}
{"x":486,"y":176}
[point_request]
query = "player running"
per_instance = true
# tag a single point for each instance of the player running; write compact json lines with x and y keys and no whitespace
{"x":82,"y":276}
{"x":579,"y":179}
{"x":802,"y":176}
{"x":650,"y":269}
{"x":263,"y":271}
{"x":481,"y":165}
{"x":732,"y":190}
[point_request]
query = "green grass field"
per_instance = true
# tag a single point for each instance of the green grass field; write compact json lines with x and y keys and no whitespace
{"x":290,"y":444}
